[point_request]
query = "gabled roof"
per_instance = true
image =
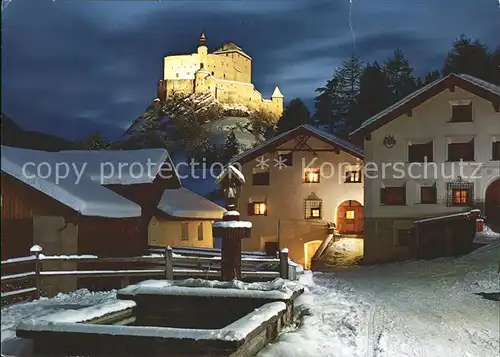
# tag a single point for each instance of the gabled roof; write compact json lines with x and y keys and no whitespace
{"x":469,"y":83}
{"x":309,"y":130}
{"x":82,"y":186}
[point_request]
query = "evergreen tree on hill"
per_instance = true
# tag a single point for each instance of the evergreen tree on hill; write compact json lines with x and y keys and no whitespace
{"x":294,"y":115}
{"x":336,"y":102}
{"x":93,"y":142}
{"x":471,"y":57}
{"x":231,"y":148}
{"x":374,"y":94}
{"x":399,"y":76}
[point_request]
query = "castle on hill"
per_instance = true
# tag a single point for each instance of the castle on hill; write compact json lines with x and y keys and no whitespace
{"x":226,"y":73}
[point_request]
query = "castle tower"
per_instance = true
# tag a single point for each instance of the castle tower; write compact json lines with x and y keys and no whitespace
{"x":202,"y":48}
{"x":278,"y":100}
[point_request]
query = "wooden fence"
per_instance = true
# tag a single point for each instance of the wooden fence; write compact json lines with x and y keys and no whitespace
{"x":166,"y":262}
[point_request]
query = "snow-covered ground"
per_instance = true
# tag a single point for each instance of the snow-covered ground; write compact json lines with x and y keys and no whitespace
{"x":422,"y":308}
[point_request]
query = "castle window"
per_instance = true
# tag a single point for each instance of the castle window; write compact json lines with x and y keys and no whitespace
{"x":212,"y":73}
{"x":177,"y":74}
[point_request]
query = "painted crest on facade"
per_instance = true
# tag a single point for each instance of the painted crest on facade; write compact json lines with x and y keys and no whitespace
{"x":389,"y":141}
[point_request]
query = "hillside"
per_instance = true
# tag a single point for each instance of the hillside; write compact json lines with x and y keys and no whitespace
{"x":196,"y":122}
{"x":14,"y":135}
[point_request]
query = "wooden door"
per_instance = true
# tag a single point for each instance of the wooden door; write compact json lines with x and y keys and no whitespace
{"x":350,"y":217}
{"x":492,"y":203}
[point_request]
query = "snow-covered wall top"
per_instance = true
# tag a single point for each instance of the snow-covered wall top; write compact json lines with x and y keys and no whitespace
{"x":274,"y":290}
{"x":237,"y":331}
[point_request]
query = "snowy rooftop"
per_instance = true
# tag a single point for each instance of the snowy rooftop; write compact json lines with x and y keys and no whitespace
{"x":76,"y":178}
{"x":183,"y":203}
{"x":494,"y":89}
{"x":344,"y":145}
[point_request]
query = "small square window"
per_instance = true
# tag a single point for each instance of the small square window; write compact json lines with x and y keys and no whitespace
{"x":428,"y":195}
{"x":261,"y":178}
{"x":257,"y":209}
{"x":353,"y":176}
{"x":460,"y":197}
{"x":315,"y":212}
{"x":461,"y":113}
{"x":349,"y":214}
{"x":312,"y":176}
{"x":312,"y":207}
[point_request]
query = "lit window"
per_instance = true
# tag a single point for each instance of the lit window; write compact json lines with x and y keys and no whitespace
{"x":460,"y":197}
{"x":312,"y":207}
{"x":258,"y":209}
{"x":311,"y":176}
{"x":349,"y":214}
{"x":352,"y":176}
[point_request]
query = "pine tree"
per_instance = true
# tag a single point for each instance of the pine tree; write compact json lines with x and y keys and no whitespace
{"x":399,"y":76}
{"x":93,"y":142}
{"x":471,"y":57}
{"x":431,"y":77}
{"x":374,"y":94}
{"x":336,"y":103}
{"x":231,"y":147}
{"x":294,"y":115}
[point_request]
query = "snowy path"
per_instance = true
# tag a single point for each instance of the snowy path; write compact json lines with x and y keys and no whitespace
{"x":413,"y":309}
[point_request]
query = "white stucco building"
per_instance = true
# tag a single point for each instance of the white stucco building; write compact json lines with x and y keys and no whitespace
{"x":296,"y":183}
{"x":435,"y":152}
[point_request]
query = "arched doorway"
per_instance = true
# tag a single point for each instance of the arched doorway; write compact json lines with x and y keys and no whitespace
{"x":350,"y":217}
{"x":310,"y":249}
{"x":492,"y":203}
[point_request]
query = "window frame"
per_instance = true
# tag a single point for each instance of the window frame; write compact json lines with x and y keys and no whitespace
{"x":495,"y":150}
{"x":184,"y":229}
{"x":348,"y":176}
{"x":264,"y":182}
{"x":455,"y":118}
{"x":434,"y":195}
{"x":459,"y":185}
{"x":470,"y":143}
{"x":252,"y":208}
{"x":313,"y":171}
{"x":418,"y":159}
{"x":383,"y":198}
{"x":311,"y":204}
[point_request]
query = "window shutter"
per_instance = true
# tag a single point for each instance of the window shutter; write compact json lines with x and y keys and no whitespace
{"x":250,"y":209}
{"x":382,"y":195}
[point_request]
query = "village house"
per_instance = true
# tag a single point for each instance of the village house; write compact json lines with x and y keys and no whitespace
{"x":434,"y":153}
{"x":298,"y":184}
{"x":104,"y":203}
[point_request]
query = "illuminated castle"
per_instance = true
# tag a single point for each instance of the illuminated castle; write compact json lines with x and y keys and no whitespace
{"x":226,"y":73}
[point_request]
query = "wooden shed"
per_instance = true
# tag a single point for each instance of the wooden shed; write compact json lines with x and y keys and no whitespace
{"x":101,"y":205}
{"x":450,"y":235}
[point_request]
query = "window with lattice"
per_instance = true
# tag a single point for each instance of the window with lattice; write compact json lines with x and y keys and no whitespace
{"x":312,"y":207}
{"x":460,"y":193}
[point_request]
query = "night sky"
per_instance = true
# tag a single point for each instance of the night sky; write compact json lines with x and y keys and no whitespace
{"x":71,"y":67}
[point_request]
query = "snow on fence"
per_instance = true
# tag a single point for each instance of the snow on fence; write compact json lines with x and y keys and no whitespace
{"x":254,"y":266}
